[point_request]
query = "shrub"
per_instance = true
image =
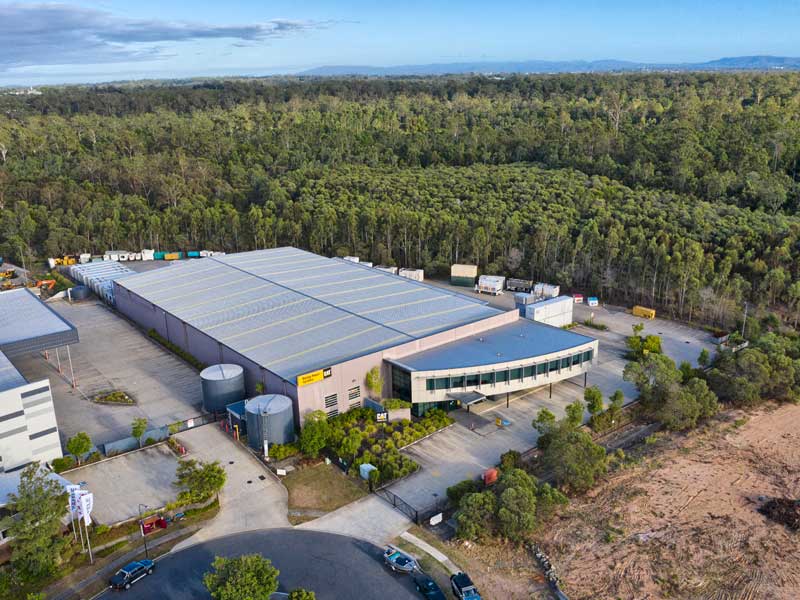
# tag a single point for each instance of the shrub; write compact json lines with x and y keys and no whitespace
{"x":460,"y":489}
{"x":282,"y":451}
{"x":177,"y":350}
{"x":474,"y":518}
{"x":510,"y":460}
{"x":150,"y":441}
{"x":62,"y":464}
{"x":395,"y":403}
{"x":101,"y":529}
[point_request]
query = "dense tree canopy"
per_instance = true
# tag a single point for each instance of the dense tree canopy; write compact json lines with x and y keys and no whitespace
{"x":673,"y":190}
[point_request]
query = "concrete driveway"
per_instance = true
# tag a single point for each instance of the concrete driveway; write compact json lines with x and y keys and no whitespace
{"x":252,"y":498}
{"x":370,"y":518}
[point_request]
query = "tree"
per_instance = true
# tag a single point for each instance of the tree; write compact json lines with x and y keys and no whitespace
{"x":510,"y":460}
{"x":350,"y":444}
{"x":474,"y":517}
{"x":79,"y":444}
{"x":544,"y":423}
{"x":704,"y":359}
{"x":301,"y":594}
{"x":575,"y":413}
{"x":246,"y":577}
{"x":315,"y":433}
{"x":199,"y":481}
{"x":574,"y":459}
{"x":374,"y":381}
{"x":594,"y":400}
{"x":138,"y":427}
{"x":516,"y":511}
{"x":40,"y":503}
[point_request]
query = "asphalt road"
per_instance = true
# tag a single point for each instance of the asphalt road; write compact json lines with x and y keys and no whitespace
{"x":332,"y":566}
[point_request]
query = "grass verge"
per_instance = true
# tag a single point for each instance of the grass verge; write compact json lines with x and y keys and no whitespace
{"x":321,"y":487}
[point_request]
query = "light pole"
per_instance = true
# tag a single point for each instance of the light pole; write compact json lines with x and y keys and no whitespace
{"x":141,"y":527}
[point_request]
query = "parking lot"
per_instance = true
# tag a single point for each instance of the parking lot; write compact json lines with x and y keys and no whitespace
{"x":114,"y":355}
{"x":121,"y":483}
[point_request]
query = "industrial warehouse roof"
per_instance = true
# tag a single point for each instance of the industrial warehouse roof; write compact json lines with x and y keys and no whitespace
{"x":9,"y":376}
{"x":28,"y":325}
{"x":516,"y":341}
{"x":294,"y":312}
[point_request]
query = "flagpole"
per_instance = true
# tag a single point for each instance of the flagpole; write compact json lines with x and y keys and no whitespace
{"x":88,"y":543}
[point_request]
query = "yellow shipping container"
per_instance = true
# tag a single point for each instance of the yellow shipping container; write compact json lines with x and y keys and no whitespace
{"x":645,"y":313}
{"x":172,"y":256}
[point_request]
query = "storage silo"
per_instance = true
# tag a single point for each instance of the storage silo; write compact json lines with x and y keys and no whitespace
{"x":269,"y":418}
{"x":222,"y":385}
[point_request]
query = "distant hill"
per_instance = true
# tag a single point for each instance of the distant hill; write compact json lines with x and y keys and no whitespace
{"x":736,"y":63}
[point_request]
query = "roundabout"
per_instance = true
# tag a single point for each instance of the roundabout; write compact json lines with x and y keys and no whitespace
{"x":330,"y":565}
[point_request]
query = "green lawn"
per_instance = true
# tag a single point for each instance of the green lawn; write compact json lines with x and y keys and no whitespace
{"x":321,"y":488}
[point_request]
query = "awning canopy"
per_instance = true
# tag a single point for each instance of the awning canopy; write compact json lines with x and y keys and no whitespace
{"x":467,"y":398}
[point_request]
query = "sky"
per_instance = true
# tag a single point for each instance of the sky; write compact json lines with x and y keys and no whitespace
{"x":107,"y":40}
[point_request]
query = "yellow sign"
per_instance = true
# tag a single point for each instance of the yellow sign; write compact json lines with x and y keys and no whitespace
{"x":313,"y":377}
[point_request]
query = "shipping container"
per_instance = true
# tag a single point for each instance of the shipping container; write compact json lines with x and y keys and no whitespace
{"x":413,"y":274}
{"x":462,"y":281}
{"x":85,"y":258}
{"x":392,"y":270}
{"x":546,"y":290}
{"x":553,"y":311}
{"x":490,"y":284}
{"x":351,"y":259}
{"x":148,"y":254}
{"x":578,"y":298}
{"x":593,"y":301}
{"x":464,"y":271}
{"x":519,"y":285}
{"x":644,"y":312}
{"x":159,"y":255}
{"x":366,"y":264}
{"x":172,"y":256}
{"x":204,"y":254}
{"x":193,"y":254}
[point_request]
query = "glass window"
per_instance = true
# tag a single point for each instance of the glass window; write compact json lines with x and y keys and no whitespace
{"x":554,"y":365}
{"x":565,"y":362}
{"x":516,"y":373}
{"x":541,"y":368}
{"x":528,"y":371}
{"x":587,"y":356}
{"x":501,"y":376}
{"x":443,"y":383}
{"x":486,"y":378}
{"x":429,"y":385}
{"x":401,"y":384}
{"x":473,"y":380}
{"x":576,"y":360}
{"x":457,"y":382}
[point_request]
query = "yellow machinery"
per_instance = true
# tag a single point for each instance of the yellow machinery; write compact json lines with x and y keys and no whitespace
{"x":66,"y":260}
{"x":8,"y":274}
{"x":644,"y":312}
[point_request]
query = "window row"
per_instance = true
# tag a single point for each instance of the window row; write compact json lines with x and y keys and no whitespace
{"x":505,"y":375}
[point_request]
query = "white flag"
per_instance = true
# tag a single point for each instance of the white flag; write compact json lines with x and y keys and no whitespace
{"x":86,"y":505}
{"x":73,"y":490}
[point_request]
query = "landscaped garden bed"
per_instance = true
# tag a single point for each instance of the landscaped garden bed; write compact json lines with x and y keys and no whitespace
{"x":115,"y":397}
{"x":357,"y":439}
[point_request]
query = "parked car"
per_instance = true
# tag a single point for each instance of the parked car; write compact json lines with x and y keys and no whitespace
{"x":427,"y":587}
{"x":463,"y":587}
{"x":130,"y":574}
{"x":397,"y":560}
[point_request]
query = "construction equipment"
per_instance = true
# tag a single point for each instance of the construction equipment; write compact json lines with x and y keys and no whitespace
{"x":66,"y":260}
{"x":45,"y":283}
{"x":8,"y":274}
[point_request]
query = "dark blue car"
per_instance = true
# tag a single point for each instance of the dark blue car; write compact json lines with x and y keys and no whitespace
{"x":130,"y":574}
{"x":427,"y":587}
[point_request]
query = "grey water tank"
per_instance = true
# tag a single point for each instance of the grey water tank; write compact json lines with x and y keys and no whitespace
{"x":271,"y":418}
{"x":222,"y":385}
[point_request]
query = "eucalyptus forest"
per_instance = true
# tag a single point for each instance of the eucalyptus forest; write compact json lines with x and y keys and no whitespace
{"x":677,"y":191}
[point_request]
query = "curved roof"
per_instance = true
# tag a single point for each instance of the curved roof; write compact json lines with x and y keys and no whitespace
{"x":508,"y":343}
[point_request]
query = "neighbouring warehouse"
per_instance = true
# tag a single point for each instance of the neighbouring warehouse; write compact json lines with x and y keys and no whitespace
{"x":311,"y":327}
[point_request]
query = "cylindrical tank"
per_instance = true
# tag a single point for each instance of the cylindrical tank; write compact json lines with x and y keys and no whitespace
{"x":269,"y":418}
{"x":222,"y":385}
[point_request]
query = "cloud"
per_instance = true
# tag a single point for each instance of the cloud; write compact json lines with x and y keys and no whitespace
{"x":60,"y":34}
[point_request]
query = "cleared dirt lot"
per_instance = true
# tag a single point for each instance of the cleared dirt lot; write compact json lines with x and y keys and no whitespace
{"x":114,"y":355}
{"x":683,"y":523}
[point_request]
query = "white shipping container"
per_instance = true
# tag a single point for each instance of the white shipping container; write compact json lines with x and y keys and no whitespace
{"x":148,"y":254}
{"x":414,"y":274}
{"x":392,"y":270}
{"x":351,"y":259}
{"x":366,"y":264}
{"x":51,"y":262}
{"x":490,"y":284}
{"x":85,"y":258}
{"x":546,"y":290}
{"x":556,"y":311}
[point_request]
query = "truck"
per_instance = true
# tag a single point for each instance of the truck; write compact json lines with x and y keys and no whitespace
{"x":463,"y":587}
{"x":519,"y":285}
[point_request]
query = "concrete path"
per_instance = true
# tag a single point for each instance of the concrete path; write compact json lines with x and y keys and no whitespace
{"x":422,"y":545}
{"x":252,"y":498}
{"x":370,"y":518}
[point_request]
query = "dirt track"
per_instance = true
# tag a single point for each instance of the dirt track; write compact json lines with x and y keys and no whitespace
{"x":683,"y":523}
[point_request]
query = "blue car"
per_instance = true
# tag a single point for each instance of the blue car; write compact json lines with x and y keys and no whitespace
{"x":427,"y":587}
{"x":130,"y":574}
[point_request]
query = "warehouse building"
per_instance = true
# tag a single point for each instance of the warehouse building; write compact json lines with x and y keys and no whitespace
{"x":28,"y":428}
{"x":310,"y":328}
